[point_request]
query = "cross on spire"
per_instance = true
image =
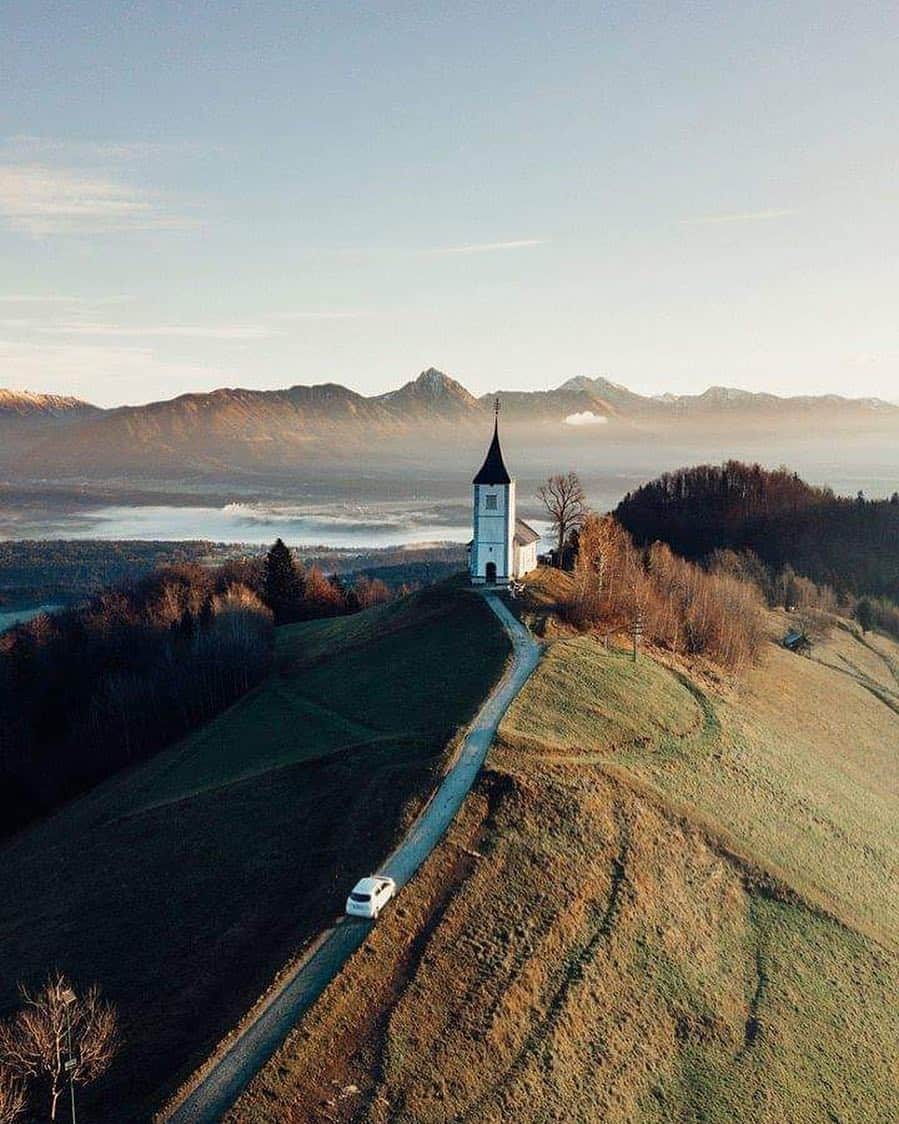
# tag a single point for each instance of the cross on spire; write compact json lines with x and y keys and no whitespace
{"x":493,"y":471}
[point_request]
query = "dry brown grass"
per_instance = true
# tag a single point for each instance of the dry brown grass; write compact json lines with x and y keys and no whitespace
{"x":602,"y":961}
{"x":654,"y":907}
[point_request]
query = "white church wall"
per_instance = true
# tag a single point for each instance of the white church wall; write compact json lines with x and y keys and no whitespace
{"x":493,"y":530}
{"x":526,"y":560}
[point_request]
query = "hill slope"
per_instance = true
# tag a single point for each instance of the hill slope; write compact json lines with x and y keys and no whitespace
{"x":669,"y":899}
{"x":185,"y":885}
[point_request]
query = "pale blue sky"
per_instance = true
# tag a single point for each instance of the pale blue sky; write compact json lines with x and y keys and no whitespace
{"x":672,"y":195}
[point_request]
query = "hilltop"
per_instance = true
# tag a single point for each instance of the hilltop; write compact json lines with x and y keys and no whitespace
{"x":672,"y":896}
{"x":238,"y":433}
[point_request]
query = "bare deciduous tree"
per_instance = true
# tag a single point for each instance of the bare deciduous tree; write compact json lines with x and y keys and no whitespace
{"x":34,"y":1044}
{"x":12,"y":1098}
{"x":565,"y":503}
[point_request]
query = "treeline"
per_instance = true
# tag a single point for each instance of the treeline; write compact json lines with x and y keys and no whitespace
{"x":677,"y":604}
{"x":782,"y":589}
{"x":850,"y":545}
{"x":877,"y":613}
{"x":33,"y":571}
{"x":68,"y":571}
{"x":90,"y":690}
{"x":295,"y":593}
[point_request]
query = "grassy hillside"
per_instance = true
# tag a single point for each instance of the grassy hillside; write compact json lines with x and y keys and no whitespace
{"x":670,"y":898}
{"x":798,"y":764}
{"x":184,"y":885}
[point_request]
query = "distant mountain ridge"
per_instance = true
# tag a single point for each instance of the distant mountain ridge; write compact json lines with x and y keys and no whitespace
{"x":25,"y":404}
{"x":712,"y":398}
{"x":237,"y":430}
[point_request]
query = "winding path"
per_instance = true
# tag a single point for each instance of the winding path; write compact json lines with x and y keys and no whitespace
{"x":256,"y":1043}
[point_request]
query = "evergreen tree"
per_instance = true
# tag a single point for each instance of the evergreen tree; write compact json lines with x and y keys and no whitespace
{"x":283,"y":584}
{"x":864,"y":614}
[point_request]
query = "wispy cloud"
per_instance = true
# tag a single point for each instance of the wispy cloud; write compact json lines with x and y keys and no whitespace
{"x":27,"y":146}
{"x":587,"y":417}
{"x":874,"y":359}
{"x":40,"y":200}
{"x":113,"y":373}
{"x":491,"y":247}
{"x":72,"y":327}
{"x":376,"y":251}
{"x":173,"y":331}
{"x":61,"y":298}
{"x":740,"y":216}
{"x":324,"y":314}
{"x":72,"y":321}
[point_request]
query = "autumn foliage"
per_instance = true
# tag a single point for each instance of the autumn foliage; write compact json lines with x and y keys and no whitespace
{"x":90,"y":690}
{"x":681,"y":606}
{"x":12,"y":1097}
{"x":851,"y":545}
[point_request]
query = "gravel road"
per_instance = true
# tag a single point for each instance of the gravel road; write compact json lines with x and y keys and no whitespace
{"x":259,"y":1039}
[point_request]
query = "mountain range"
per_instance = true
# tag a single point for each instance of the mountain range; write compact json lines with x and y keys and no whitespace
{"x":230,"y":432}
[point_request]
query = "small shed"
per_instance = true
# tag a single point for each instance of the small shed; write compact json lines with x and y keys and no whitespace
{"x":796,"y":641}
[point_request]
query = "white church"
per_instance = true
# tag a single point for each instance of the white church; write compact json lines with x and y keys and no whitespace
{"x":504,"y":547}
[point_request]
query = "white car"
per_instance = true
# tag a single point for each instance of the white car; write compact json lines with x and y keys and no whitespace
{"x":369,"y":896}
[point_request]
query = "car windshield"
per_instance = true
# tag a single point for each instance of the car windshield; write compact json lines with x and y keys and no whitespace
{"x":354,"y":897}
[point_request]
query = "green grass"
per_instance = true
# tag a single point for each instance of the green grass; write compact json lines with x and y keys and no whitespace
{"x":585,"y":696}
{"x":821,"y":1041}
{"x":183,"y":885}
{"x":798,"y":764}
{"x":393,"y":672}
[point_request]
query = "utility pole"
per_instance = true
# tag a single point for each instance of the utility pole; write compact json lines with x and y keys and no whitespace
{"x":637,"y":632}
{"x":68,"y":998}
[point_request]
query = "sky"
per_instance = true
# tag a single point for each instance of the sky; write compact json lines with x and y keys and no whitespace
{"x":671,"y":195}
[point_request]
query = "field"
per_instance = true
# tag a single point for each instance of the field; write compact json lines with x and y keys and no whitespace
{"x":671,"y":897}
{"x":186,"y":884}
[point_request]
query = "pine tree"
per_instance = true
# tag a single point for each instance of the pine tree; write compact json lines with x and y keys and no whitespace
{"x":864,"y":614}
{"x":283,"y":584}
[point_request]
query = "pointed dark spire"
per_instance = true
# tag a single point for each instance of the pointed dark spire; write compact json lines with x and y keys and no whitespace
{"x":493,"y":470}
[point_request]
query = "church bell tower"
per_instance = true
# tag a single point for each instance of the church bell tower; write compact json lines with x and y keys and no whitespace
{"x":492,"y":560}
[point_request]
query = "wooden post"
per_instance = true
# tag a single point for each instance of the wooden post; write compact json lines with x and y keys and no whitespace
{"x":637,"y":632}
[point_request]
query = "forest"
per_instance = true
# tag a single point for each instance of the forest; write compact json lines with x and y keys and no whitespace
{"x":64,"y":571}
{"x":67,"y":571}
{"x":851,"y":545}
{"x":96,"y":688}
